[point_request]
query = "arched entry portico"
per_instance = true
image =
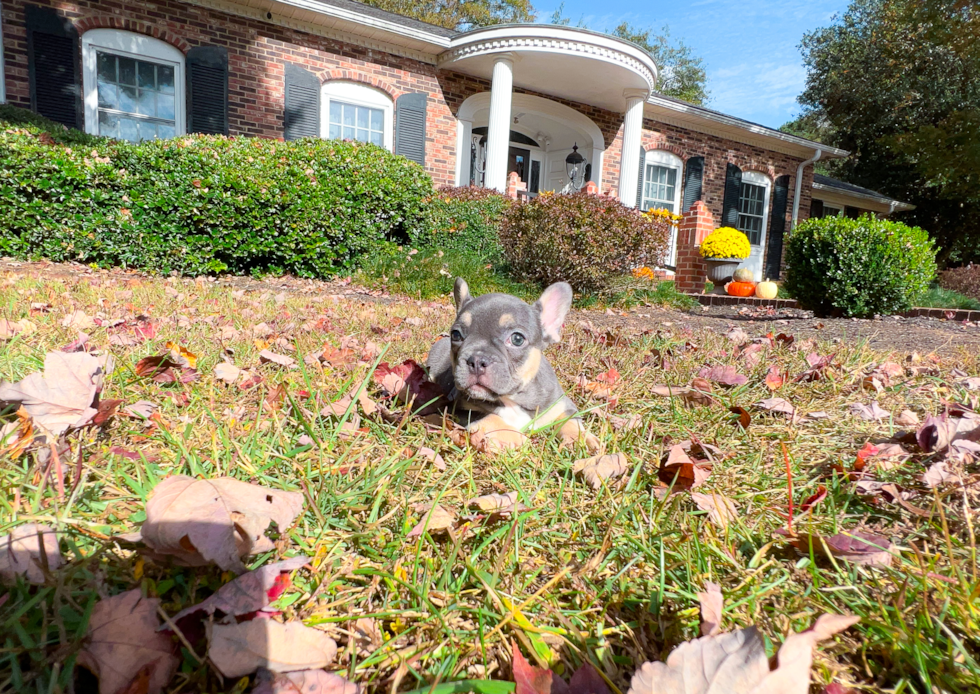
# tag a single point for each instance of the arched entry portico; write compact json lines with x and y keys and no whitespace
{"x":542,"y":134}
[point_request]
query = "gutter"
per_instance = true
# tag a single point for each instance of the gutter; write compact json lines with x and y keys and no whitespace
{"x":799,"y":186}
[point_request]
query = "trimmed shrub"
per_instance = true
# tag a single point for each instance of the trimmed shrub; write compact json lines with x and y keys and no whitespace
{"x":205,"y":204}
{"x":965,"y":280}
{"x":585,"y":240}
{"x":858,"y":267}
{"x":467,"y":220}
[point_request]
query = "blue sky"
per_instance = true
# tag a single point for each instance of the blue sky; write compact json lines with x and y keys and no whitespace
{"x":749,"y":46}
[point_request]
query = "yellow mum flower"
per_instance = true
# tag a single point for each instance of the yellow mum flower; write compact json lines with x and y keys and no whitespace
{"x":726,"y":242}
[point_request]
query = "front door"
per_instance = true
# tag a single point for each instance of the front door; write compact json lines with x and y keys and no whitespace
{"x":519,"y":160}
{"x":753,"y":206}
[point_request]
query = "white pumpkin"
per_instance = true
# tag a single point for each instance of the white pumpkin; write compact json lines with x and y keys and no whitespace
{"x":743,"y":274}
{"x":766,"y":290}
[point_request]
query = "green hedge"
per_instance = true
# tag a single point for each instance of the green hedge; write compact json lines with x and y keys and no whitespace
{"x":466,"y":220}
{"x":858,"y":267}
{"x":203,"y":204}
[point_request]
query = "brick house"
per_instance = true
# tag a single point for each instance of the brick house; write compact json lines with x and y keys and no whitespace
{"x":337,"y":68}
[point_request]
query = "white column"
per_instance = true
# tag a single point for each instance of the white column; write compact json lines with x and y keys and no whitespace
{"x":629,"y":162}
{"x":498,"y":130}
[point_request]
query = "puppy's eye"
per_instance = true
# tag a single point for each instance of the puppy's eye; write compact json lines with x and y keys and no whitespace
{"x":456,"y":336}
{"x":517,"y":339}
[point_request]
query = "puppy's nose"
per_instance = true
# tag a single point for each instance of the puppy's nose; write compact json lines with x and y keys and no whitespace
{"x":478,"y":364}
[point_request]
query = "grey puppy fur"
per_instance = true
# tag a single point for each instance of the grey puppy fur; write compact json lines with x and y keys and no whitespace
{"x":494,"y":363}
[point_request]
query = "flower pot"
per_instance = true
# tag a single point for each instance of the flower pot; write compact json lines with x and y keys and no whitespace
{"x":720,"y":271}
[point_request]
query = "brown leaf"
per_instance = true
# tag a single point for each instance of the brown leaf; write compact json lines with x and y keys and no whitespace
{"x":303,"y":682}
{"x":407,"y":382}
{"x":908,"y":418}
{"x":721,"y":510}
{"x":939,"y":474}
{"x":151,"y":367}
{"x":779,"y":405}
{"x":870,"y":412}
{"x":504,"y":504}
{"x":532,"y":680}
{"x":217,"y":520}
{"x":690,"y":397}
{"x":774,"y":379}
{"x":123,"y":639}
{"x":60,"y":398}
{"x":437,"y":461}
{"x":855,"y":546}
{"x":249,"y":592}
{"x":240,"y":649}
{"x":937,"y":433}
{"x":712,"y":605}
{"x":183,"y":356}
{"x":268,"y":357}
{"x":738,"y":336}
{"x":601,"y":469}
{"x":744,"y":418}
{"x":21,"y":553}
{"x":10,"y":329}
{"x":736,"y":663}
{"x":229,"y":373}
{"x":682,"y":472}
{"x":725,"y":375}
{"x":106,"y":410}
{"x":437,"y":520}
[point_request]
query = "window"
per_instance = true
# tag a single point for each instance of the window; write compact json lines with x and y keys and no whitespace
{"x":352,"y":111}
{"x":133,"y":86}
{"x":830,"y":211}
{"x":753,"y":206}
{"x":661,"y":181}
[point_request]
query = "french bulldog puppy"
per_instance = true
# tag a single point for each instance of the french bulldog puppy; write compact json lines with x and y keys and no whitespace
{"x":493,"y":362}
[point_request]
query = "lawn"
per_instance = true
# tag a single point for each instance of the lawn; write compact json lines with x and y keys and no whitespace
{"x":608,"y":576}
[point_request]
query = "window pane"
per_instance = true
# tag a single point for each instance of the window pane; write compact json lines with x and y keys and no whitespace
{"x":165,"y":106}
{"x":362,"y":118}
{"x":165,"y":131}
{"x":147,"y":76}
{"x":129,"y":129}
{"x":335,"y":109}
{"x":377,"y":139}
{"x":108,"y":97}
{"x":362,"y":135}
{"x":348,"y":115}
{"x":148,"y":131}
{"x":165,"y":79}
{"x":108,"y":125}
{"x":127,"y":71}
{"x":377,"y":119}
{"x":348,"y":133}
{"x":127,"y":99}
{"x":334,"y":133}
{"x":146,"y":104}
{"x":106,"y":66}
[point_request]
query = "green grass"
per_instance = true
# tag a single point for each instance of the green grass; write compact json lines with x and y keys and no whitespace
{"x":627,"y":292}
{"x":937,"y":297}
{"x":608,"y":576}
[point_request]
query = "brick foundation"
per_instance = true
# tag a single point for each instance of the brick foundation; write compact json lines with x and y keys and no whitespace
{"x":694,"y":227}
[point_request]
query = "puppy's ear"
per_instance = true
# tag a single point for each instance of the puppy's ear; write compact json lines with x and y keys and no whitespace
{"x":461,"y":294}
{"x":552,"y":308}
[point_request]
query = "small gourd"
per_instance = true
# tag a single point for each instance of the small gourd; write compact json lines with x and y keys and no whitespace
{"x":740,"y":288}
{"x":743,"y":274}
{"x":766,"y":290}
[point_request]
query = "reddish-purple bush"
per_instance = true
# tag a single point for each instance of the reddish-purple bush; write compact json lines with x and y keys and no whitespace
{"x":965,"y":280}
{"x":585,"y":240}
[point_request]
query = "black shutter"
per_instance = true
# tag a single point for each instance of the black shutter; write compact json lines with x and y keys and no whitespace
{"x":777,"y":226}
{"x":693,"y":180}
{"x":639,"y":179}
{"x":302,"y":98}
{"x":816,"y":209}
{"x":207,"y":90}
{"x":52,"y":59}
{"x":733,"y":191}
{"x":852,"y":212}
{"x":410,"y":126}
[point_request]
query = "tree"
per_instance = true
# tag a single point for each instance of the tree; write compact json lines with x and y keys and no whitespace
{"x":682,"y":74}
{"x":897,"y":83}
{"x":461,"y":14}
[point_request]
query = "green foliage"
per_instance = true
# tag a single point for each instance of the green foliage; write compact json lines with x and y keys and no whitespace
{"x":585,"y":240}
{"x":461,"y":15}
{"x":467,"y":220}
{"x":858,"y":267}
{"x":431,"y":272}
{"x":203,"y":204}
{"x":682,"y":74}
{"x":898,"y":82}
{"x":937,"y":297}
{"x":13,"y":116}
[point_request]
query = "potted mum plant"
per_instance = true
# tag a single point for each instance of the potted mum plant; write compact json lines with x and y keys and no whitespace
{"x":723,"y":251}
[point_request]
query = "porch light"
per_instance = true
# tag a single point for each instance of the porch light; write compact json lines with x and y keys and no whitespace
{"x":575,"y":167}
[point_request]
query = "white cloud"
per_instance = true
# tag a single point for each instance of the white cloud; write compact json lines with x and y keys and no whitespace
{"x":764,"y":92}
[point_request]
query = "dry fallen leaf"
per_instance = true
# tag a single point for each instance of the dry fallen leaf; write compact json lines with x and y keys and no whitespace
{"x":690,"y":397}
{"x":268,"y":357}
{"x":726,"y":375}
{"x":437,"y":460}
{"x":9,"y":328}
{"x":736,"y":663}
{"x":780,"y":405}
{"x":682,"y":472}
{"x":241,"y":649}
{"x":712,"y":605}
{"x":503,"y":504}
{"x":939,"y":474}
{"x":61,"y":398}
{"x":249,"y":592}
{"x":908,"y":418}
{"x":937,"y":433}
{"x":302,"y":682}
{"x":217,"y":520}
{"x":436,"y":520}
{"x":531,"y":680}
{"x":601,"y":469}
{"x":21,"y":553}
{"x":123,"y":639}
{"x":774,"y":379}
{"x":854,"y":546}
{"x":721,"y":510}
{"x":229,"y":373}
{"x":870,"y":412}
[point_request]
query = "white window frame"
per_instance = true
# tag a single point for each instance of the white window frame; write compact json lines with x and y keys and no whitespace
{"x":659,"y":157}
{"x":357,"y":94}
{"x":129,"y":45}
{"x":759,"y":179}
{"x":836,"y":211}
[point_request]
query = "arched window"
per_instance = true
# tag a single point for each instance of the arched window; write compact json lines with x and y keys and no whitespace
{"x":133,"y":85}
{"x":753,"y":206}
{"x":662,"y":181}
{"x":353,"y":111}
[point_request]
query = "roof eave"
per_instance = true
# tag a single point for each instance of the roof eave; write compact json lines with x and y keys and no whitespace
{"x":895,"y":205}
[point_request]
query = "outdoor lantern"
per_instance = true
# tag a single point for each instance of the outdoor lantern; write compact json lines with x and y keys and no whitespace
{"x":575,"y":167}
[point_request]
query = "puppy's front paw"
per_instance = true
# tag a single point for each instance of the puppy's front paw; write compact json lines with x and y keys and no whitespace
{"x":574,"y":432}
{"x":492,"y":434}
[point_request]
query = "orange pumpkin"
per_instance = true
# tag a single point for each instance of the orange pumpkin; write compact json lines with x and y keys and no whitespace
{"x":740,"y":288}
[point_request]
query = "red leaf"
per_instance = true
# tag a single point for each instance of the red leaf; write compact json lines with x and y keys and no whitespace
{"x":587,"y":681}
{"x":774,"y":379}
{"x":610,"y":377}
{"x":867,"y":451}
{"x":814,"y":499}
{"x":726,"y":375}
{"x":532,"y":680}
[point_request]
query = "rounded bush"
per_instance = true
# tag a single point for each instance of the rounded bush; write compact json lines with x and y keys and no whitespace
{"x":205,"y":204}
{"x":726,"y":242}
{"x":585,"y":240}
{"x":467,"y":220}
{"x":858,"y":267}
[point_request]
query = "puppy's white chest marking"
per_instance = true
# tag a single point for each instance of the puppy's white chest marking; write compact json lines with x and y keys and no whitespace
{"x":512,"y":413}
